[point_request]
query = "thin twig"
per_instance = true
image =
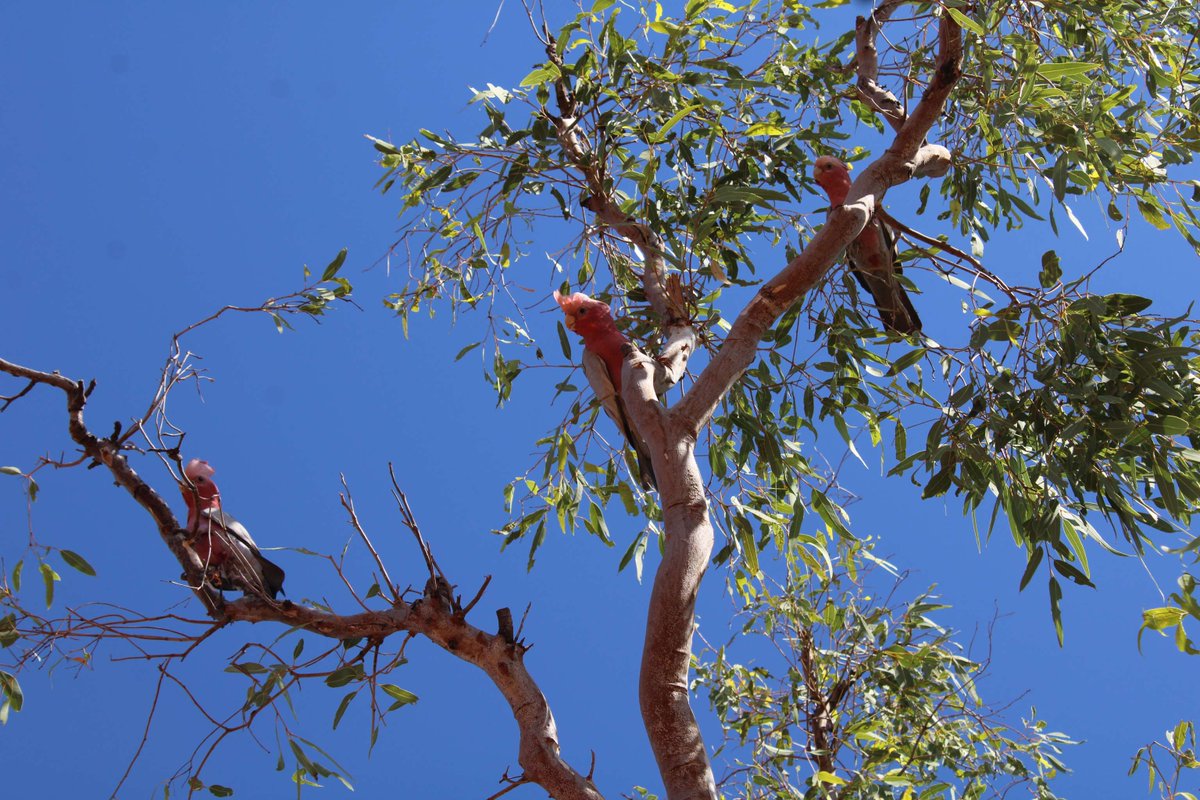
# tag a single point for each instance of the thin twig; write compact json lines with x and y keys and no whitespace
{"x":512,"y":784}
{"x":410,"y":521}
{"x":348,"y":504}
{"x":521,"y":627}
{"x":8,"y":401}
{"x":487,"y":579}
{"x":145,"y":732}
{"x":492,"y":27}
{"x":980,"y":270}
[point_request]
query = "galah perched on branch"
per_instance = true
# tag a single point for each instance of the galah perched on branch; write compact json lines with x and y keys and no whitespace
{"x":872,"y":254}
{"x":230,"y":557}
{"x":603,"y":354}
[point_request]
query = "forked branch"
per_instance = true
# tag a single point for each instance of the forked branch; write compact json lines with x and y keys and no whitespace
{"x":499,"y":655}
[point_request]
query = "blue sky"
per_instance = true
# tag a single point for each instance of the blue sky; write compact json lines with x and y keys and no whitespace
{"x":162,"y":160}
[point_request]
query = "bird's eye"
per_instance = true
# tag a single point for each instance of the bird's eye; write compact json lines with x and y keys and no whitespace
{"x":582,"y":311}
{"x":199,"y":480}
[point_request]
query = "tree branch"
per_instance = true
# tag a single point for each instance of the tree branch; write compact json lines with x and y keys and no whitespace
{"x":662,"y":291}
{"x":907,"y":157}
{"x":666,"y":656}
{"x":867,"y":57}
{"x":502,"y":661}
{"x":108,"y":453}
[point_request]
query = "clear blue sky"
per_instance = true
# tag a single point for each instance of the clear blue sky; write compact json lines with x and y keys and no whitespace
{"x":162,"y":160}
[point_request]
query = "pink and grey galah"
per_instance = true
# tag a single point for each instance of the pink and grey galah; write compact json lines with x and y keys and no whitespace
{"x":872,"y":254}
{"x":230,"y":557}
{"x":603,"y":354}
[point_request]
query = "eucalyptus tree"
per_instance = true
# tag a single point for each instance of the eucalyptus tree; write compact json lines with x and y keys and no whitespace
{"x":662,"y":161}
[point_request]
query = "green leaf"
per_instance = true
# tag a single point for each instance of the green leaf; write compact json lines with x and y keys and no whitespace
{"x":1126,"y":304}
{"x":635,"y":551}
{"x":939,"y":483}
{"x":217,"y":790}
{"x":745,"y":534}
{"x":905,"y":361}
{"x":539,"y":536}
{"x":1169,"y":425}
{"x":661,"y":134}
{"x":1051,"y":270}
{"x":12,"y":690}
{"x":1153,"y":214}
{"x":829,"y":777}
{"x":1056,"y":608}
{"x":49,"y":576}
{"x":305,"y":762}
{"x":77,"y":561}
{"x":466,"y":350}
{"x":541,"y":75}
{"x":1035,"y":558}
{"x":768,"y":129}
{"x":403,"y":697}
{"x":1058,"y":70}
{"x":1159,"y":619}
{"x":1070,"y":571}
{"x":10,"y":471}
{"x":247,"y":668}
{"x":563,"y":341}
{"x":334,"y":265}
{"x":341,"y":677}
{"x":341,"y":709}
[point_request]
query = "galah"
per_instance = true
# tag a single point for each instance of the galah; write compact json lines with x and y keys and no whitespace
{"x":603,"y":355}
{"x":230,"y":557}
{"x":872,"y":254}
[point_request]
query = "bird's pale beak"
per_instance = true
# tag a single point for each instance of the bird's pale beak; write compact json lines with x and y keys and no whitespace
{"x":570,"y":319}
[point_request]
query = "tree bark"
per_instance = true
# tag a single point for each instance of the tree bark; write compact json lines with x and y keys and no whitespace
{"x":674,"y":732}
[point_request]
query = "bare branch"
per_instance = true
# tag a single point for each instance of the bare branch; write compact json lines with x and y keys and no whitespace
{"x":8,"y":401}
{"x":410,"y":522}
{"x":478,"y":596}
{"x":108,"y":453}
{"x":348,"y":504}
{"x":513,"y":783}
{"x":501,"y":660}
{"x":974,"y":264}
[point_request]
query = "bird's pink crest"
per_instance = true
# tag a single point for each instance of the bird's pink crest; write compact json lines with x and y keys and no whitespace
{"x":570,"y":303}
{"x":198,"y":469}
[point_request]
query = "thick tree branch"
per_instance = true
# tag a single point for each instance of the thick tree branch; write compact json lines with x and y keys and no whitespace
{"x":907,"y":157}
{"x":501,"y":658}
{"x":867,"y":57}
{"x":108,"y":453}
{"x":666,"y":657}
{"x":503,"y":662}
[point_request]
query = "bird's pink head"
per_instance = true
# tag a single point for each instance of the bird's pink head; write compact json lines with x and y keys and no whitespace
{"x":203,"y":494}
{"x":585,"y":316}
{"x":832,"y":175}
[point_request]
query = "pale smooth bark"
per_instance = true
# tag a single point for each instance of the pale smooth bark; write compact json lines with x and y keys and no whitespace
{"x":671,"y":434}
